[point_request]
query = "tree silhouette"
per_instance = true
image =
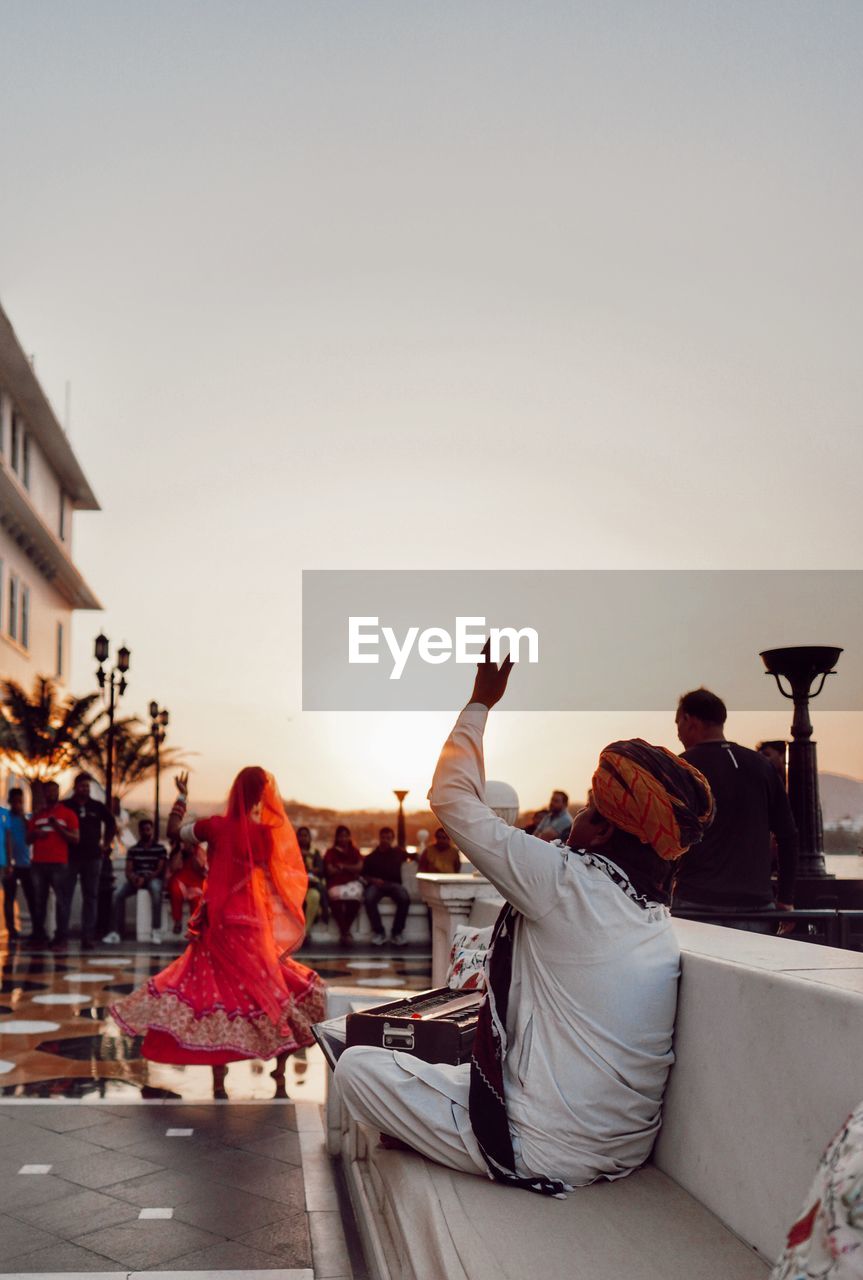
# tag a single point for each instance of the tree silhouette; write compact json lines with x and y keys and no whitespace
{"x":134,"y":755}
{"x":40,"y":735}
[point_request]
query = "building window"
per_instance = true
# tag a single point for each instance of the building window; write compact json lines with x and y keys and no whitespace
{"x":60,"y":649}
{"x":25,"y":617}
{"x":12,"y":610}
{"x":15,"y":449}
{"x":62,"y":522}
{"x":25,"y":459}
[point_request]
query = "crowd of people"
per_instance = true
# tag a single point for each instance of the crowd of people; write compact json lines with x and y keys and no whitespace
{"x":69,"y":841}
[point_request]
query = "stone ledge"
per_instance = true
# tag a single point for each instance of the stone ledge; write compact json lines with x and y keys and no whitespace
{"x":419,"y":1220}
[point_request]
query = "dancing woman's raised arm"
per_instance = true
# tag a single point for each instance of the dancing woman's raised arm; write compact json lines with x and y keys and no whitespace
{"x":178,"y":813}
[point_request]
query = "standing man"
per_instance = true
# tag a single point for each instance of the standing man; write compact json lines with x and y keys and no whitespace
{"x":53,"y":831}
{"x":17,"y":870}
{"x":730,"y":871}
{"x":382,"y":873}
{"x":145,"y":869}
{"x":97,"y":829}
{"x":554,"y":822}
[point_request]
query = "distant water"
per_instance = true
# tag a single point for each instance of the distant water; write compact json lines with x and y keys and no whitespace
{"x":845,"y":866}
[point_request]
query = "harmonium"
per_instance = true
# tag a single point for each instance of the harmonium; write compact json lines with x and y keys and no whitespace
{"x":437,"y":1026}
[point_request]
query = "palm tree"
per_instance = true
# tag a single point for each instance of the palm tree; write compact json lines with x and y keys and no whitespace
{"x":134,"y":755}
{"x":39,"y":734}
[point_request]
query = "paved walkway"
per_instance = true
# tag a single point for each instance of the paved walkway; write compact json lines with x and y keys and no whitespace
{"x":115,"y":1166}
{"x":169,"y":1188}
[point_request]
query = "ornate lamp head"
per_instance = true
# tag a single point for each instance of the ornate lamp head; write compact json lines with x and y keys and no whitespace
{"x":801,"y":665}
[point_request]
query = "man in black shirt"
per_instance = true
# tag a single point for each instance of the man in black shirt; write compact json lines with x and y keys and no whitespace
{"x":730,"y":870}
{"x":86,"y":859}
{"x":145,"y":869}
{"x":382,"y":873}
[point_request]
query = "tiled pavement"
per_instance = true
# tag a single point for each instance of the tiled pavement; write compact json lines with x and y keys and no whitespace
{"x":232,"y":1192}
{"x":57,"y":1041}
{"x":99,"y":1185}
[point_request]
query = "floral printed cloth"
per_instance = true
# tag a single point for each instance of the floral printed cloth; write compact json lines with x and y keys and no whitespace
{"x":826,"y":1243}
{"x":467,"y":959}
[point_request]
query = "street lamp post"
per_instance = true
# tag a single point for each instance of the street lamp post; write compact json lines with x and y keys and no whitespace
{"x":400,"y":834}
{"x":801,"y":666}
{"x":116,"y":682}
{"x":158,"y":723}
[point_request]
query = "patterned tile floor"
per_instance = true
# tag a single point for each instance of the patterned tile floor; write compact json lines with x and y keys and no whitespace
{"x":105,"y":1188}
{"x":57,"y":1042}
{"x":154,"y":1178}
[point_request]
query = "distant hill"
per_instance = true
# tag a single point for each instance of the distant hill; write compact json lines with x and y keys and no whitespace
{"x":841,"y":799}
{"x":841,"y":802}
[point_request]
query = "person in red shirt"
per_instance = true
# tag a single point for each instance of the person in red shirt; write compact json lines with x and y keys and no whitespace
{"x":188,"y":877}
{"x":51,"y":831}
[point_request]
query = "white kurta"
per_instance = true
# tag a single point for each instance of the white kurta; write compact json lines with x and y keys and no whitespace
{"x":592,"y":999}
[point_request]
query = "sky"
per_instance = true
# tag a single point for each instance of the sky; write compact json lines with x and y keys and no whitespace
{"x":440,"y":286}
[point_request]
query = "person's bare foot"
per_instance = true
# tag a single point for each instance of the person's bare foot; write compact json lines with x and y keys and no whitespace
{"x":219,"y":1075}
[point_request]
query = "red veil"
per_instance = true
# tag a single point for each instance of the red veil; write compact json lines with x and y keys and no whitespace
{"x":234,"y":992}
{"x":257,"y":880}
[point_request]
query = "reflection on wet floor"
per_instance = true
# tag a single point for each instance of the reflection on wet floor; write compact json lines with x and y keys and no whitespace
{"x":57,"y":1040}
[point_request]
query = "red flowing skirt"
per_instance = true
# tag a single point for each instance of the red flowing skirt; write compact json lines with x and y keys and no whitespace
{"x":226,"y":998}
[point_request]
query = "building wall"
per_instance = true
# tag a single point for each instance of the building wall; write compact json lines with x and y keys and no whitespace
{"x":44,"y":493}
{"x":47,"y":608}
{"x":42,"y":487}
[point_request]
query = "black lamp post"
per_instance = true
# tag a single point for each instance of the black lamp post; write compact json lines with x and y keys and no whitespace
{"x":116,"y":681}
{"x":400,"y":822}
{"x":801,"y":666}
{"x":158,"y":722}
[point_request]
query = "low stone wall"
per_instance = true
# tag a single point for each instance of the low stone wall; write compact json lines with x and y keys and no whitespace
{"x":768,"y":1040}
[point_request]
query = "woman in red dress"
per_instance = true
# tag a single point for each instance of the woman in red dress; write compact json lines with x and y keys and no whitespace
{"x":235,"y":993}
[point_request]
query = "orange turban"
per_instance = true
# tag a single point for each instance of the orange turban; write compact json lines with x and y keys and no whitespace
{"x":654,"y":795}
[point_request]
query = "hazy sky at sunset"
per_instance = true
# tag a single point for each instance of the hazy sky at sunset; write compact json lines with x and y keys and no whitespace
{"x":388,"y":285}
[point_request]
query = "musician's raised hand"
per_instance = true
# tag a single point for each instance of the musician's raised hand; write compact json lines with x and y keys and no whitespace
{"x":491,"y":678}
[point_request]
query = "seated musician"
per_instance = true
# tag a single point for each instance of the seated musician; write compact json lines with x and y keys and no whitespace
{"x":573,"y":1045}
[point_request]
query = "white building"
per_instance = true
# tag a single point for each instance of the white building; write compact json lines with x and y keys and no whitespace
{"x":41,"y":486}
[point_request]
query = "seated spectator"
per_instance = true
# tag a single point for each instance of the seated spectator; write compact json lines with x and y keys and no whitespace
{"x":382,"y":873}
{"x":554,"y":822}
{"x":441,"y":857}
{"x":146,"y":862}
{"x":574,"y":1041}
{"x":343,"y":866}
{"x":317,"y":903}
{"x":188,"y":875}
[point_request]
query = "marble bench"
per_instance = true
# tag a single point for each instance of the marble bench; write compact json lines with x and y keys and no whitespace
{"x":769,"y":1039}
